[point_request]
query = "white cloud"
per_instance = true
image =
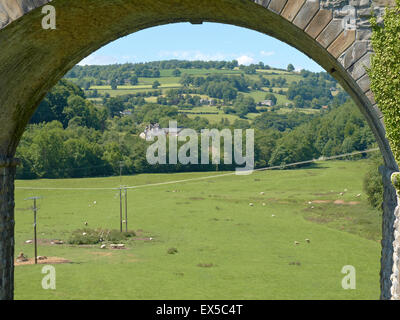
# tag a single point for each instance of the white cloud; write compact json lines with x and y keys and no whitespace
{"x":245,"y":60}
{"x":267,"y":53}
{"x":96,"y":59}
{"x":192,"y":55}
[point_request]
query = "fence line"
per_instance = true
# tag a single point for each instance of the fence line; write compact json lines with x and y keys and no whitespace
{"x":208,"y":177}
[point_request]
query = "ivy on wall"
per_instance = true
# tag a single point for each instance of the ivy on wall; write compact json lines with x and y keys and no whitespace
{"x":385,"y":72}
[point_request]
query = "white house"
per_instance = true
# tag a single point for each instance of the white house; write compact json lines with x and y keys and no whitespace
{"x":154,"y":130}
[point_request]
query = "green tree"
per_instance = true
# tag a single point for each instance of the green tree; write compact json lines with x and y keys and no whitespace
{"x":134,"y":80}
{"x":290,"y":67}
{"x":114,"y":84}
{"x":372,"y":183}
{"x":156,"y":84}
{"x":272,"y":97}
{"x":176,"y":73}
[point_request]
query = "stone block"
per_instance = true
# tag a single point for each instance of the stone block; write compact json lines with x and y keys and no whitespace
{"x":363,"y":34}
{"x":291,"y":8}
{"x":276,"y":5}
{"x":319,"y":22}
{"x":306,"y":13}
{"x":364,"y":83}
{"x":330,"y":33}
{"x":342,"y":42}
{"x":354,"y":53}
{"x":263,"y":3}
{"x":370,"y":96}
{"x":4,"y":18}
{"x":12,"y":8}
{"x":376,"y":109}
{"x":358,"y":69}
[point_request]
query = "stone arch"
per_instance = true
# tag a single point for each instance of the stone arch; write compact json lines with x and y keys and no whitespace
{"x":334,"y":33}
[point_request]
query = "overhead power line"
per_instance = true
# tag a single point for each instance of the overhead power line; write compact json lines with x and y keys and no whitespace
{"x":210,"y":177}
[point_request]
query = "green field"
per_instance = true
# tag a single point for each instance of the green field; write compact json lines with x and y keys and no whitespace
{"x":227,"y":249}
{"x":168,"y":82}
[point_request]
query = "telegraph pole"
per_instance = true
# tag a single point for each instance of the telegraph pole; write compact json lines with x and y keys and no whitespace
{"x":121,"y":164}
{"x":126,"y":209}
{"x":34,"y":224}
{"x":120,"y":208}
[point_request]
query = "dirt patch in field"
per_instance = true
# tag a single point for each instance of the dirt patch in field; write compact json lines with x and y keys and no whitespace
{"x":196,"y":198}
{"x":337,"y":202}
{"x":324,"y":194}
{"x":48,"y":260}
{"x":321,"y":201}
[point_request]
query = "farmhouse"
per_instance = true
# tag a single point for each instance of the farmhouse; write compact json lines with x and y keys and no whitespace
{"x":154,"y":130}
{"x":268,"y":103}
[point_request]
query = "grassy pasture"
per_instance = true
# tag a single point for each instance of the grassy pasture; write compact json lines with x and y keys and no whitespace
{"x":227,"y":249}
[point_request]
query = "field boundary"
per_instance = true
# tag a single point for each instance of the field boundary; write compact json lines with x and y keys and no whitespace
{"x":208,"y":177}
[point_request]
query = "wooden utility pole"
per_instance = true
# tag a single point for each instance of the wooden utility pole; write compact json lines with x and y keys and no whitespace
{"x":34,"y":224}
{"x":120,"y":209}
{"x":126,"y":209}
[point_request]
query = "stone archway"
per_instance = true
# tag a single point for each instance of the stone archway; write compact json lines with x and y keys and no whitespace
{"x":334,"y":33}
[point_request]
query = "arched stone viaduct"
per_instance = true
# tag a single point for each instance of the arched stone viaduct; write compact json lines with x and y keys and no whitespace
{"x":334,"y":33}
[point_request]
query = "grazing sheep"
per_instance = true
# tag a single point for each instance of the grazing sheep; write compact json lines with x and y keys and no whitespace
{"x":341,"y":193}
{"x":264,"y":204}
{"x":309,"y":202}
{"x":272,"y":215}
{"x":86,"y":223}
{"x":308,"y":240}
{"x":22,"y":258}
{"x":296,"y":243}
{"x":262,"y":193}
{"x":28,"y":241}
{"x":251,"y":204}
{"x":103,"y":246}
{"x":84,"y":234}
{"x":359,"y":195}
{"x":94,"y":202}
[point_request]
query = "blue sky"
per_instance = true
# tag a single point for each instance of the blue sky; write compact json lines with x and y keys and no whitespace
{"x":209,"y":41}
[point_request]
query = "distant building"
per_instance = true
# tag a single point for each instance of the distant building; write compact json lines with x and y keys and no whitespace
{"x":154,"y":130}
{"x":325,"y":107}
{"x":205,"y":101}
{"x":126,"y":113}
{"x":268,"y":103}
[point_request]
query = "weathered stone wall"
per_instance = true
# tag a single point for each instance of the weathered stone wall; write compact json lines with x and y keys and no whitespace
{"x":7,"y":175}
